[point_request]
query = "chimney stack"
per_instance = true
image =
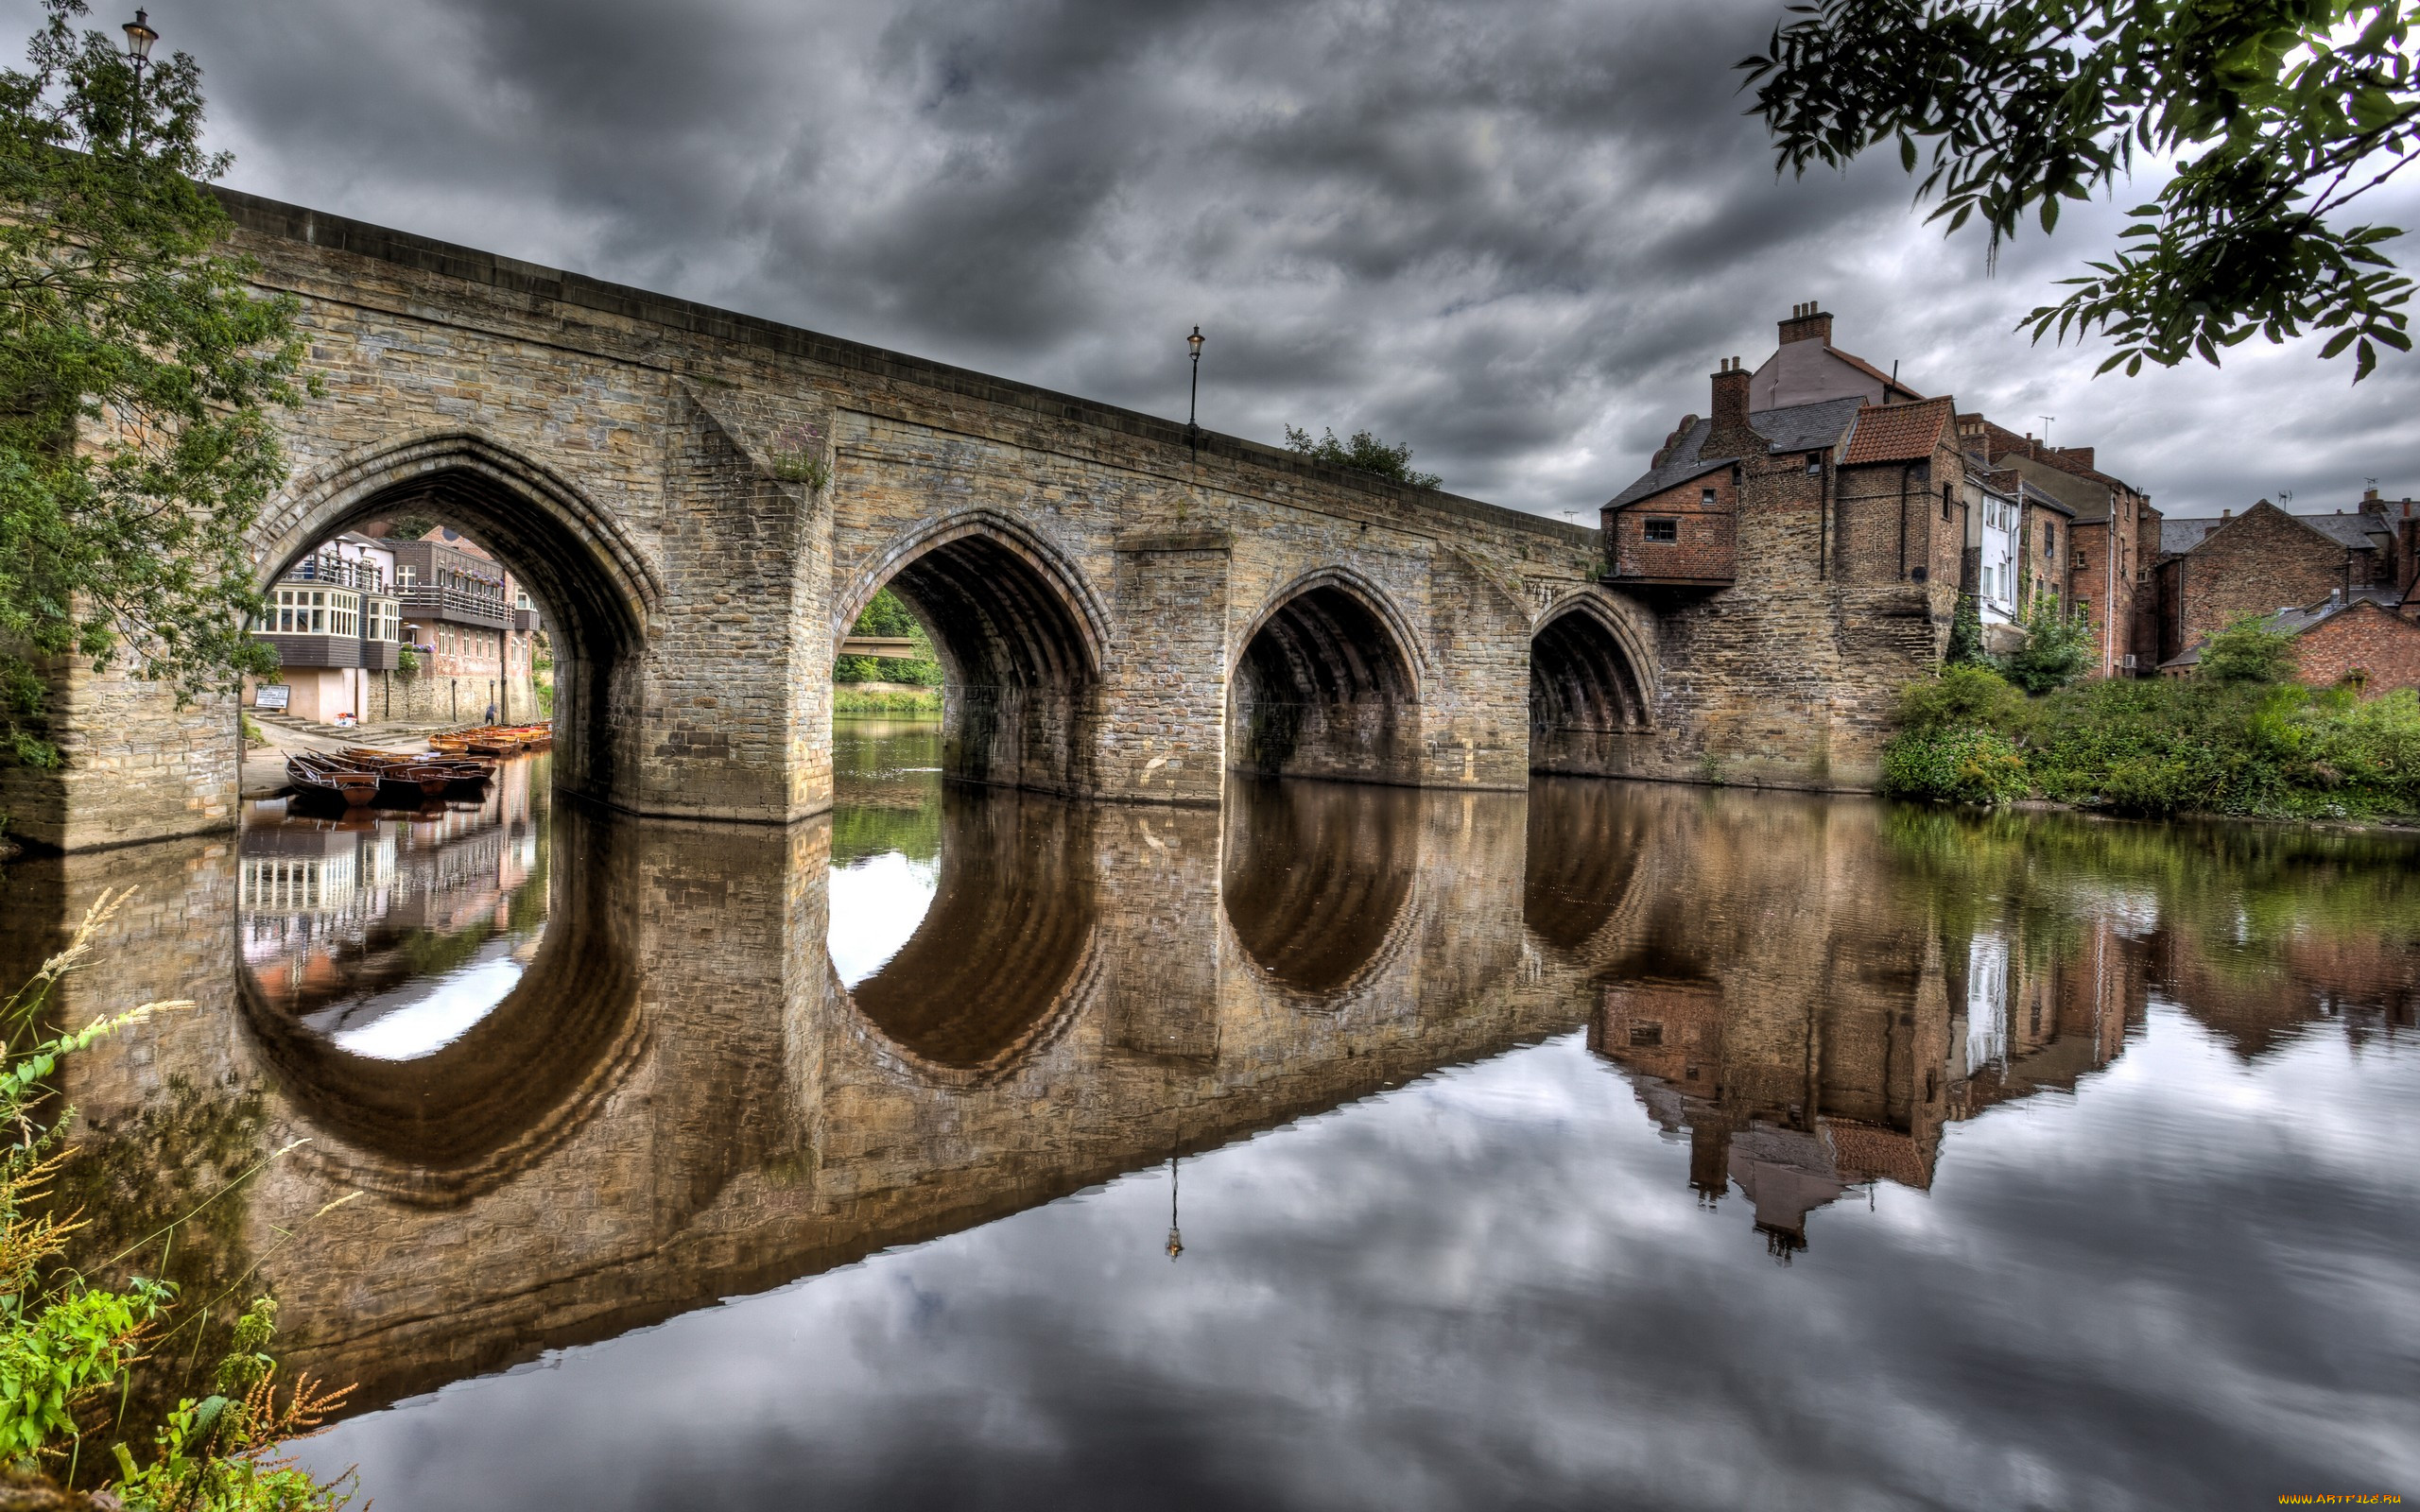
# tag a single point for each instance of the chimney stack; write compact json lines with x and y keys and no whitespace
{"x":1729,"y":435}
{"x":1807,"y":322}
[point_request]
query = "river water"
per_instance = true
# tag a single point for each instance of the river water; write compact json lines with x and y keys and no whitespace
{"x":1620,"y":1145}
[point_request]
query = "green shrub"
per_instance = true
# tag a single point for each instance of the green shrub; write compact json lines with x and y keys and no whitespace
{"x":1960,"y":765}
{"x":2057,"y":648}
{"x":1960,"y":696}
{"x":1966,"y":635}
{"x":2247,"y":651}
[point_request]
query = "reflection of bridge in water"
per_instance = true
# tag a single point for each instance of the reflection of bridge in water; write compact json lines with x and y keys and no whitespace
{"x":679,"y":1102}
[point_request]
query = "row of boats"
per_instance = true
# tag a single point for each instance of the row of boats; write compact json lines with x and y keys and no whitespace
{"x":458,"y":767}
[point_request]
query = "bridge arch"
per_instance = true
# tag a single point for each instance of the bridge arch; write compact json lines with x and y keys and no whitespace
{"x":1591,"y":688}
{"x":1317,"y":880}
{"x":1022,"y":640}
{"x":1327,"y":682}
{"x":1002,"y":961}
{"x":598,"y":590}
{"x":438,"y":1131}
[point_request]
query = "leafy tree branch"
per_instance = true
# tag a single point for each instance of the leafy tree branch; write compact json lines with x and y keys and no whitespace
{"x":2278,"y":115}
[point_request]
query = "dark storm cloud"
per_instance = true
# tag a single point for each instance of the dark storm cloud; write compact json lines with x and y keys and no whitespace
{"x":1515,"y":237}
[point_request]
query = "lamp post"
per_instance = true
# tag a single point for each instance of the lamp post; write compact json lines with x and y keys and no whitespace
{"x":1176,"y":1242}
{"x":1193,"y":400}
{"x":139,"y":37}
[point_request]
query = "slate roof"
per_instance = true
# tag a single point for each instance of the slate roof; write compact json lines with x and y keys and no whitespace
{"x":1806,"y":427}
{"x":2184,"y":535}
{"x":1682,"y":465}
{"x":2356,"y":530}
{"x":2361,"y":529}
{"x":1899,"y":433}
{"x":2296,"y":621}
{"x":2034,"y":494}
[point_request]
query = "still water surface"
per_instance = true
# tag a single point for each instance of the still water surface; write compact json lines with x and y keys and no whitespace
{"x":1347,"y":1147}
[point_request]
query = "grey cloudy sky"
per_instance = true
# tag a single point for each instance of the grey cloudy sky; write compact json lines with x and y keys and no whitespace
{"x":1517,"y":237}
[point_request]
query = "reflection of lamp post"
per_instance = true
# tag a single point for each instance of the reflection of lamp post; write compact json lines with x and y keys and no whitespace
{"x":139,"y":37}
{"x":1192,"y":431}
{"x":1176,"y":1241}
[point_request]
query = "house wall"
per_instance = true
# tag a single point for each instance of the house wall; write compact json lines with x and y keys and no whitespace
{"x":2258,"y":563}
{"x":2382,"y":645}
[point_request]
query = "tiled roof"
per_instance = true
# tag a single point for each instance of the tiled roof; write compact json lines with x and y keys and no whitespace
{"x":1899,"y":433}
{"x":1806,"y":427}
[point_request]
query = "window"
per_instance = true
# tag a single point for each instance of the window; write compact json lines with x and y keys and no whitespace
{"x":404,"y":577}
{"x":1646,"y":1034}
{"x":1664,"y":531}
{"x":1707,"y":498}
{"x":2080,"y":562}
{"x":1815,"y":465}
{"x":2049,"y":537}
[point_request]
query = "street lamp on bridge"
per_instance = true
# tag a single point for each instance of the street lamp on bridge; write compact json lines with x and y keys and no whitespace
{"x":1193,"y":400}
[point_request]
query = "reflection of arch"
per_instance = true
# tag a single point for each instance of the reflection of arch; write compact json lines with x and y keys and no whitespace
{"x":1021,"y":640}
{"x":997,"y":969}
{"x":578,"y":560}
{"x":439,"y":1130}
{"x":1588,"y":688}
{"x":1317,"y":878}
{"x":1585,"y":843}
{"x":1327,"y":684}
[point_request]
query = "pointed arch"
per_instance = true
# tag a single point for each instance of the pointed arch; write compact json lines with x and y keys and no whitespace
{"x":1326,"y":682}
{"x":1591,"y":688}
{"x":1022,"y":639}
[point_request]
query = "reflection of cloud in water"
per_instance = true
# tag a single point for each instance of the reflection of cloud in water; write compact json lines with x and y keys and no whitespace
{"x":876,"y":904}
{"x":427,"y":1015}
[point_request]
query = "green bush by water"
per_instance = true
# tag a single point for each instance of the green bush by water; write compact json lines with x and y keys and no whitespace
{"x":853,"y":701}
{"x":2238,"y":744}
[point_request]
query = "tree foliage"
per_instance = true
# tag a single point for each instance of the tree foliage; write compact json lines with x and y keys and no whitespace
{"x":2056,"y":649}
{"x":1362,"y":451}
{"x":2249,"y":650}
{"x":137,"y":374}
{"x":2277,"y":115}
{"x":888,"y":614}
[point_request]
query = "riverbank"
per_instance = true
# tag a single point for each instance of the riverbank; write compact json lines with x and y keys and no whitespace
{"x":884,"y":698}
{"x":2162,"y":748}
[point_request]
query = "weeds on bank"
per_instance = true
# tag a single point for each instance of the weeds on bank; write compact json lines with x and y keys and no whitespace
{"x":2233,"y":740}
{"x":68,"y":1347}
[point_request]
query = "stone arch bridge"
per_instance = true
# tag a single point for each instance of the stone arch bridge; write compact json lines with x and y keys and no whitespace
{"x":703,"y":502}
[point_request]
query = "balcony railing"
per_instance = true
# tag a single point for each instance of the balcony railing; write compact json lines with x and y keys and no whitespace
{"x":337,"y":572}
{"x":421,"y":602}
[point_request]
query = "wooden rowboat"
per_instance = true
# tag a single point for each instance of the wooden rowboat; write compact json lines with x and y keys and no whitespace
{"x":322,"y":779}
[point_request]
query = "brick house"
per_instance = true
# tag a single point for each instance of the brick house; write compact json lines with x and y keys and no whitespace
{"x":2213,"y":571}
{"x":2110,"y":535}
{"x":474,"y":628}
{"x":2369,"y":638}
{"x":1804,"y":561}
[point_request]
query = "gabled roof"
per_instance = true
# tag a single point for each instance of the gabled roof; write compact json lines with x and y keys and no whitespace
{"x":1806,"y":427}
{"x":1655,"y":480}
{"x":1899,"y":433}
{"x":2360,"y":531}
{"x":1792,"y":428}
{"x":1874,"y":372}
